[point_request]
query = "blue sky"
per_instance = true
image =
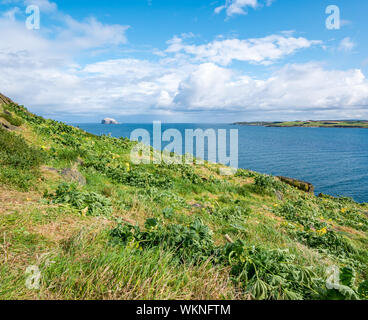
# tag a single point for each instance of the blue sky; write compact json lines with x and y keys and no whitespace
{"x":186,"y":60}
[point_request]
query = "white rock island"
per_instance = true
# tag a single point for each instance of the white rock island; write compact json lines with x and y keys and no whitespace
{"x":109,"y":121}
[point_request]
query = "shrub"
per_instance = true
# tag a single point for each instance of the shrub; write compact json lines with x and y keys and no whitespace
{"x":138,"y":176}
{"x":142,"y":178}
{"x":94,"y":203}
{"x":269,"y":274}
{"x":267,"y":184}
{"x":191,"y":243}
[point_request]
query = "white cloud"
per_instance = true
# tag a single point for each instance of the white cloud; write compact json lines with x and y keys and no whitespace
{"x":219,"y":9}
{"x":346,"y":44}
{"x":63,"y":41}
{"x":137,"y":87}
{"x":38,"y":66}
{"x":91,"y":33}
{"x":10,"y":14}
{"x":259,"y":50}
{"x":206,"y":87}
{"x":307,"y":87}
{"x":44,"y":5}
{"x":39,"y":69}
{"x":234,"y":7}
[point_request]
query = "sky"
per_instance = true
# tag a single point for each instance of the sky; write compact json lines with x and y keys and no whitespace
{"x":186,"y":60}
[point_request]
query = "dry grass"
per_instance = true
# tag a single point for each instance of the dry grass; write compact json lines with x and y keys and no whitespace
{"x":11,"y":200}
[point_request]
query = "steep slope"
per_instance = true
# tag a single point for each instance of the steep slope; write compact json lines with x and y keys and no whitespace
{"x":79,"y":221}
{"x":4,"y":100}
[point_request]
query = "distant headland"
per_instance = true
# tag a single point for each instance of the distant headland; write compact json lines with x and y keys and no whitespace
{"x":310,"y":124}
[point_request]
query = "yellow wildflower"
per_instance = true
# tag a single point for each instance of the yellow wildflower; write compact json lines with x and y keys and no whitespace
{"x":322,"y":231}
{"x":343,"y":210}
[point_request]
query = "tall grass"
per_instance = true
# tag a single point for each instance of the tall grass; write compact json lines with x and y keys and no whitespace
{"x":95,"y":270}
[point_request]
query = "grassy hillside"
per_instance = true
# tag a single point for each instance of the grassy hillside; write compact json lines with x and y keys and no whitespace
{"x":311,"y":124}
{"x":98,"y":227}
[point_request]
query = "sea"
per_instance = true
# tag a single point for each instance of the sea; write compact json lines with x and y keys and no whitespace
{"x":334,"y":160}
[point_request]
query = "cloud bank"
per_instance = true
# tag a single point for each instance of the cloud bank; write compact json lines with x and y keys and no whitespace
{"x":262,"y":50}
{"x":43,"y":72}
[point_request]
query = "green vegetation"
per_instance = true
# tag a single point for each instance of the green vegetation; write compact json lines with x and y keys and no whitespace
{"x":89,"y":203}
{"x":311,"y":124}
{"x":264,"y":184}
{"x":164,"y":231}
{"x":7,"y":115}
{"x":19,"y":161}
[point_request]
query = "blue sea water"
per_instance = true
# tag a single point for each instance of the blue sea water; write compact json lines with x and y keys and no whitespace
{"x":335,"y":160}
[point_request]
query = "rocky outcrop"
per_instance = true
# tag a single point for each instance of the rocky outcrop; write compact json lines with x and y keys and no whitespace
{"x":301,"y":185}
{"x":73,"y":175}
{"x":4,"y":100}
{"x":109,"y":121}
{"x":6,"y":125}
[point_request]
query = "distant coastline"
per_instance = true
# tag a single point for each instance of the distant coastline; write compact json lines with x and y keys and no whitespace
{"x":310,"y":124}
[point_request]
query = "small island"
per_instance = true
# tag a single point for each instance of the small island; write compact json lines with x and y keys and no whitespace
{"x":109,"y":121}
{"x":310,"y":124}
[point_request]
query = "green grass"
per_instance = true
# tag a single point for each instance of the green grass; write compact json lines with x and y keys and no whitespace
{"x":116,"y":273}
{"x":162,"y":231}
